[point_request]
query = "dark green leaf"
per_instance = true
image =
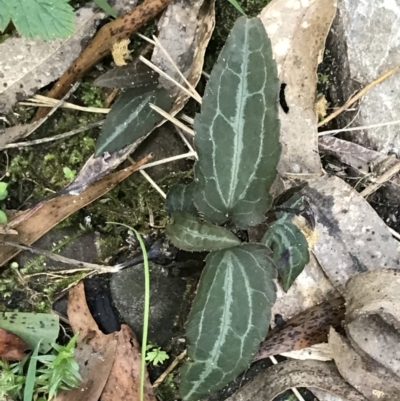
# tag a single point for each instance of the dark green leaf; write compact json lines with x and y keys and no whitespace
{"x":189,"y":234}
{"x":134,"y":75}
{"x":32,"y":328}
{"x":229,"y":318}
{"x":106,"y":7}
{"x":180,"y":199}
{"x":237,"y":132}
{"x":131,"y":117}
{"x":290,"y":250}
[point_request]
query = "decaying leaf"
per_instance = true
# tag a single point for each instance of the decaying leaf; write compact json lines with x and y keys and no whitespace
{"x":185,"y":38}
{"x":12,"y":347}
{"x":370,"y":378}
{"x":34,"y":222}
{"x":298,"y":30}
{"x":94,"y":368}
{"x":36,"y":63}
{"x":306,"y":329}
{"x":17,"y":132}
{"x":283,"y":376}
{"x":373,"y":316}
{"x":123,"y":381}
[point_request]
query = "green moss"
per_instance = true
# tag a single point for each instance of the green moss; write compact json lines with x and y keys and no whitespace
{"x":168,"y":389}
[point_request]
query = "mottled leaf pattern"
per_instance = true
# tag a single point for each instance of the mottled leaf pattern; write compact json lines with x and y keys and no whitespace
{"x":237,"y":132}
{"x":290,"y":250}
{"x":180,"y":199}
{"x":229,"y":318}
{"x":190,"y":234}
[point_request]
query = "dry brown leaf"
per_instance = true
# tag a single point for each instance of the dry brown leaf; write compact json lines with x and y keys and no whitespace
{"x":283,"y":376}
{"x":12,"y":347}
{"x":94,"y":368}
{"x":36,"y":63}
{"x":368,"y":377}
{"x":298,"y":30}
{"x":308,"y":328}
{"x":184,"y":31}
{"x":38,"y":220}
{"x":373,"y":316}
{"x":123,"y":381}
{"x":352,"y":238}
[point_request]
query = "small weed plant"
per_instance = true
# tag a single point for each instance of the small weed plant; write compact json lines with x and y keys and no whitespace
{"x":3,"y":196}
{"x":237,"y":141}
{"x":155,"y":355}
{"x":40,"y":376}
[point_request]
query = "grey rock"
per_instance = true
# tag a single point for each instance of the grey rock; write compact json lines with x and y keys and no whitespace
{"x":365,"y":43}
{"x":166,"y":296}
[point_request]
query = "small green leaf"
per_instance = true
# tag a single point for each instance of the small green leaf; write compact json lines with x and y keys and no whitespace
{"x":131,"y":117}
{"x":229,"y":317}
{"x":290,"y":250}
{"x":237,"y":6}
{"x":46,"y":19}
{"x":32,"y":328}
{"x":180,"y":199}
{"x":5,"y":14}
{"x":189,"y":234}
{"x":237,"y":132}
{"x":3,"y":218}
{"x":106,"y":7}
{"x":68,"y":173}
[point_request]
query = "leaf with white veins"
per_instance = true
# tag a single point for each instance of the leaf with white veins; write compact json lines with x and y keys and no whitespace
{"x":229,"y":318}
{"x":190,"y":234}
{"x":237,"y":132}
{"x":180,"y":199}
{"x":290,"y":250}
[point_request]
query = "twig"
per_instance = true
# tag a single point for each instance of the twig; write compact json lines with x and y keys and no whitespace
{"x":167,"y":160}
{"x":359,"y":95}
{"x":386,"y":176}
{"x":62,"y":259}
{"x":55,"y":137}
{"x":170,"y":368}
{"x":335,"y":131}
{"x":172,"y":119}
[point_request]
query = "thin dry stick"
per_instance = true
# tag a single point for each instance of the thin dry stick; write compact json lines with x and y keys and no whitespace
{"x":359,"y":95}
{"x":335,"y":131}
{"x":170,"y":368}
{"x":172,"y":119}
{"x":394,"y":233}
{"x":161,"y":72}
{"x":195,"y":94}
{"x":44,"y":101}
{"x":186,"y":118}
{"x":167,"y":160}
{"x":61,"y":259}
{"x":386,"y":176}
{"x":53,"y":138}
{"x":187,"y":143}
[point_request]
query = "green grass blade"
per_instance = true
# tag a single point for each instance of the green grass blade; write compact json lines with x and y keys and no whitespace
{"x":31,"y":375}
{"x":103,"y":4}
{"x":146,"y":305}
{"x":237,"y":6}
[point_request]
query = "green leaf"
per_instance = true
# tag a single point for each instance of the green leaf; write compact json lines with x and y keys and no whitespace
{"x":237,"y":6}
{"x":106,"y":7}
{"x":5,"y":14}
{"x":46,"y":19}
{"x":180,"y":199}
{"x":31,"y":375}
{"x":290,"y":250}
{"x":229,"y":318}
{"x":3,"y":190}
{"x":131,"y":117}
{"x":3,"y":218}
{"x":237,"y":132}
{"x":189,"y":234}
{"x":32,"y":328}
